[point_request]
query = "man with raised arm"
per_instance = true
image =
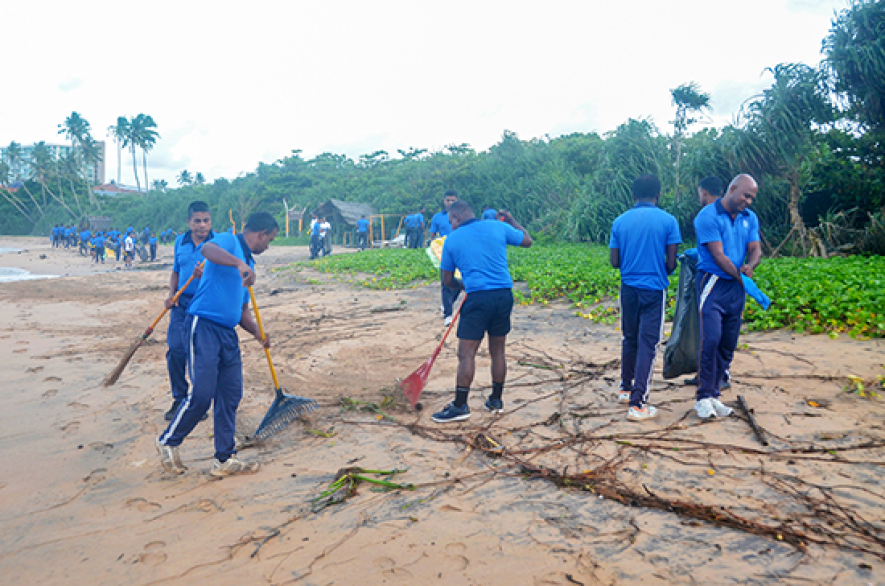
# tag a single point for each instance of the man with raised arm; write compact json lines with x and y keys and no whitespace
{"x":479,"y":250}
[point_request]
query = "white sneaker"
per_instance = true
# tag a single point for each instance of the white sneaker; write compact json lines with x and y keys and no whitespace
{"x":232,"y":467}
{"x":704,"y":408}
{"x":623,"y":397}
{"x":170,"y":459}
{"x":637,"y":414}
{"x":448,"y":321}
{"x":720,"y":408}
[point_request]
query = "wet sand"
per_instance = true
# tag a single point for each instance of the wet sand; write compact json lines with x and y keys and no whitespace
{"x":84,"y":500}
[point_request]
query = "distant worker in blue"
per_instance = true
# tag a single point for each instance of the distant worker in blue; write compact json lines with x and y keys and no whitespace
{"x":145,"y":235}
{"x":85,"y":241}
{"x":98,"y":244}
{"x":152,"y":242}
{"x":414,"y":229}
{"x":187,"y":258}
{"x":479,"y":250}
{"x":216,"y":369}
{"x":489,"y":213}
{"x":643,"y":246}
{"x":728,"y":247}
{"x":316,"y":241}
{"x":362,"y":232}
{"x":441,"y":226}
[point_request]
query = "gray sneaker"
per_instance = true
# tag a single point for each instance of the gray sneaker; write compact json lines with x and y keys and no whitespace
{"x":232,"y":467}
{"x":170,"y":459}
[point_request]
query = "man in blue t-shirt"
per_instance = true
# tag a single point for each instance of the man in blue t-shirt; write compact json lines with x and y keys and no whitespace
{"x":728,"y":246}
{"x":643,"y":247}
{"x":98,"y":247}
{"x":362,"y":232}
{"x":152,"y":242}
{"x":316,"y":241}
{"x":441,"y":226}
{"x":479,"y":250}
{"x":188,"y":256}
{"x":216,"y":369}
{"x":489,"y":213}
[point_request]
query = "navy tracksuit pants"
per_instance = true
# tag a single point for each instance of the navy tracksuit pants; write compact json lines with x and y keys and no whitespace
{"x":642,"y":323}
{"x":721,"y":306}
{"x":176,"y":355}
{"x":448,"y":297}
{"x":216,"y":372}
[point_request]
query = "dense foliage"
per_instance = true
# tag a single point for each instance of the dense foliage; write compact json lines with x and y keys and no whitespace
{"x":837,"y":295}
{"x":813,"y":139}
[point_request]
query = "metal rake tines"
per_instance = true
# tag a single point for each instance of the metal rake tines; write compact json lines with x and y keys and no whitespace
{"x":282,"y":413}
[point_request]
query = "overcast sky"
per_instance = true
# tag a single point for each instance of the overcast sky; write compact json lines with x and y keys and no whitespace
{"x":234,"y":83}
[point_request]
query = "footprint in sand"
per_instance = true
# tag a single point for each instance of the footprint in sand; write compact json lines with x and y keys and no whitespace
{"x":455,"y":558}
{"x":50,"y":393}
{"x":50,"y":379}
{"x":143,"y":505}
{"x":70,"y":427}
{"x":78,"y":405}
{"x":390,"y":571}
{"x":34,"y":369}
{"x":153,"y":554}
{"x":102,"y":447}
{"x":95,"y":476}
{"x":20,"y":351}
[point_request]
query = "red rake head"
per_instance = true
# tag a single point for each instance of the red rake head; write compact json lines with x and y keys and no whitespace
{"x":413,"y":384}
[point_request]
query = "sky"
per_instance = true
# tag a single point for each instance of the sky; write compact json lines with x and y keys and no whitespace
{"x":231,"y":84}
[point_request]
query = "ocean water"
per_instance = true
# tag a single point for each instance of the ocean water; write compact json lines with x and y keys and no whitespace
{"x":2,"y":250}
{"x":9,"y":274}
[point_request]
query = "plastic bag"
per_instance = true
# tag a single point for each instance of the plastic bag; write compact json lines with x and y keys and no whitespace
{"x":681,"y":353}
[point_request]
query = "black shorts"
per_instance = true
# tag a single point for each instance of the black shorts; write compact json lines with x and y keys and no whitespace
{"x":486,"y":311}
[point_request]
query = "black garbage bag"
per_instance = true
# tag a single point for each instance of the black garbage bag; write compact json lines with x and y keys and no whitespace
{"x":681,"y":353}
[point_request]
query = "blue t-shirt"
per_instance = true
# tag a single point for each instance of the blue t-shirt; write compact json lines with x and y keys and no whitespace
{"x":187,"y":257}
{"x":490,"y":214}
{"x":479,"y":250}
{"x":440,"y":224}
{"x":221,"y":295}
{"x":641,"y":235}
{"x":714,"y":224}
{"x":152,"y":241}
{"x":98,"y":242}
{"x":412,"y":221}
{"x":362,"y":225}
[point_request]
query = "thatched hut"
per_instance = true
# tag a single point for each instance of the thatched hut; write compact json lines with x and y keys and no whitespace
{"x":343,"y":215}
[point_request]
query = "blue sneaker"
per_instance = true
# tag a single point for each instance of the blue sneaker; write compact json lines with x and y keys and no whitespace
{"x":495,"y":405}
{"x":451,"y":413}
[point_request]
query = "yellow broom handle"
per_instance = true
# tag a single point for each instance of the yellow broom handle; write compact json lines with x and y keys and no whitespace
{"x":273,"y":371}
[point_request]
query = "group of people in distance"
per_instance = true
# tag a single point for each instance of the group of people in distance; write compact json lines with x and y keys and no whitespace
{"x":643,"y":247}
{"x":320,"y":237}
{"x":208,"y":298}
{"x":98,"y":243}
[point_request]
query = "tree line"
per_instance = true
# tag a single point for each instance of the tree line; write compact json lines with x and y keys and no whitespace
{"x":813,"y":139}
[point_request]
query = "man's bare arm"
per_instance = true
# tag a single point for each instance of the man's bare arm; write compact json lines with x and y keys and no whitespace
{"x":248,"y":323}
{"x":722,"y":261}
{"x":614,"y":257}
{"x":754,"y":257}
{"x":671,"y":258}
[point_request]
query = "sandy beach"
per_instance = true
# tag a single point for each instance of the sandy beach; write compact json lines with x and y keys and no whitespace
{"x":578,"y":495}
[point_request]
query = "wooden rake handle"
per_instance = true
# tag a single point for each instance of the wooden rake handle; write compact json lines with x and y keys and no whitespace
{"x":178,"y":293}
{"x":273,"y":371}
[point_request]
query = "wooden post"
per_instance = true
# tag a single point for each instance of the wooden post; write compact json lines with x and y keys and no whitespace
{"x":383,"y":233}
{"x":230,"y":214}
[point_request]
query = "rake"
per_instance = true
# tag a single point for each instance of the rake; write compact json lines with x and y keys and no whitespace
{"x":114,"y":375}
{"x":413,"y":384}
{"x":285,"y":408}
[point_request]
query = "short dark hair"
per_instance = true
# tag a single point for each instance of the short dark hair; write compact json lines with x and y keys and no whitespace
{"x":459,"y":207}
{"x":712,"y":185}
{"x":197,"y":207}
{"x":262,"y":222}
{"x":450,"y":193}
{"x":646,"y":187}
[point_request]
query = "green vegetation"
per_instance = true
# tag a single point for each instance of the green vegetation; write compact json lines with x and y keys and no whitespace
{"x":837,"y":295}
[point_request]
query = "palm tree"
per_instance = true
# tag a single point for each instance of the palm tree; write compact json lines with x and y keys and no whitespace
{"x":8,"y":194}
{"x":120,"y":133}
{"x":78,"y":131}
{"x":160,"y":185}
{"x":144,"y":136}
{"x":91,"y":151}
{"x":689,"y":100}
{"x":199,"y":179}
{"x":14,"y":156}
{"x":185,"y":178}
{"x":854,"y":56}
{"x":781,"y":130}
{"x":41,"y":168}
{"x":69,"y":167}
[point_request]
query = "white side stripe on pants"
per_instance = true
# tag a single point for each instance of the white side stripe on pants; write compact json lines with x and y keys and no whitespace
{"x":707,"y":288}
{"x":657,"y":345}
{"x":187,"y":401}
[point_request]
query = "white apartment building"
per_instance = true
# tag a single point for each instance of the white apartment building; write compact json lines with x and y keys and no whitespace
{"x":20,"y":170}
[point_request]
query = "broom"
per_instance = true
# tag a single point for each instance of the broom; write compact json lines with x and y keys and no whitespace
{"x":285,"y":408}
{"x":114,"y":375}
{"x":413,"y":384}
